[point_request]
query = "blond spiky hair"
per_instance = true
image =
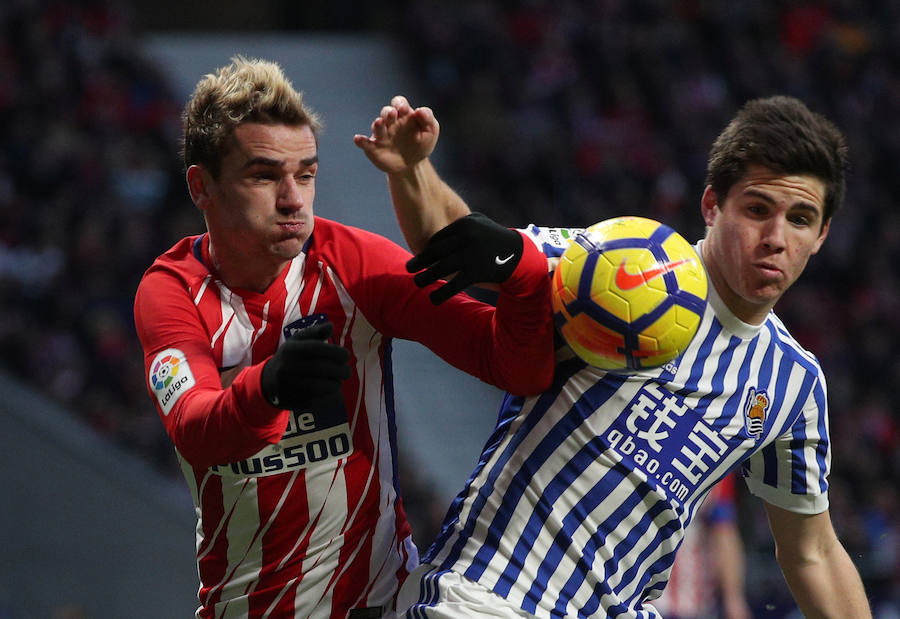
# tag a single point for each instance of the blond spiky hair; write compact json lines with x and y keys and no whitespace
{"x":246,"y":90}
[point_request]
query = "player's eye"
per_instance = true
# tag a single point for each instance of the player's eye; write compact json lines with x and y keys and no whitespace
{"x":758,"y":209}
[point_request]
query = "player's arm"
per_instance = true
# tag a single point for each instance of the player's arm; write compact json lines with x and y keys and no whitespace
{"x":217,"y":417}
{"x":727,"y":551}
{"x":208,"y":424}
{"x":509,"y":346}
{"x":817,"y":568}
{"x":401,"y":141}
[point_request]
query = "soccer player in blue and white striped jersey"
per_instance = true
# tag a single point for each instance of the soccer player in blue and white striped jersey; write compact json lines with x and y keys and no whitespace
{"x":582,"y":494}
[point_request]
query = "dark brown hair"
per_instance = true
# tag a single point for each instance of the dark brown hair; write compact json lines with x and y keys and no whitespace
{"x":780,"y":133}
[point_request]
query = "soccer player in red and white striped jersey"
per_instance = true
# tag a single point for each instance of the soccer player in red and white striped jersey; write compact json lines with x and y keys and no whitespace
{"x":293,"y":473}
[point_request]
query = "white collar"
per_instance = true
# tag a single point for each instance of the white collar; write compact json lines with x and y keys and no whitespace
{"x":723,"y":312}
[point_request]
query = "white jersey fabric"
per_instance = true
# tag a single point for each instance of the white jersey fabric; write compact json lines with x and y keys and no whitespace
{"x":582,"y":494}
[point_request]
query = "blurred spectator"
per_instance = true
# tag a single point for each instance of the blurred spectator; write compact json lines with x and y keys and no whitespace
{"x":87,"y":170}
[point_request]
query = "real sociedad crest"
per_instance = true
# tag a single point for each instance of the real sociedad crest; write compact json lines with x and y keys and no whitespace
{"x":755,"y":410}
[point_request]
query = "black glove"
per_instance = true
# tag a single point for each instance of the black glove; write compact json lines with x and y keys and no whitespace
{"x":475,"y":247}
{"x":306,"y":371}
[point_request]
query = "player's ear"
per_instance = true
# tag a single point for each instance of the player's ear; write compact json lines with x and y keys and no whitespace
{"x":199,"y":183}
{"x":709,"y":205}
{"x":822,"y":234}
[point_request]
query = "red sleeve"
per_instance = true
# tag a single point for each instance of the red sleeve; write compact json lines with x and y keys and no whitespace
{"x":208,"y":424}
{"x":510,"y":346}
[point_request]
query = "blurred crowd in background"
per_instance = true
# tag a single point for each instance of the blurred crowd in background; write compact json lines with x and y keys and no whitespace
{"x":556,"y":112}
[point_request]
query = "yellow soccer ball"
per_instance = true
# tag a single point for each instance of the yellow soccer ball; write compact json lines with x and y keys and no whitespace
{"x":628,"y":294}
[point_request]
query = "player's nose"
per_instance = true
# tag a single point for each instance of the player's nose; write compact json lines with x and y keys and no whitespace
{"x":774,"y":236}
{"x":290,"y":194}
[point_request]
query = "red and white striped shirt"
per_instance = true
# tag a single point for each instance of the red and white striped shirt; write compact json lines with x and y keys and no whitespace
{"x":298,"y":512}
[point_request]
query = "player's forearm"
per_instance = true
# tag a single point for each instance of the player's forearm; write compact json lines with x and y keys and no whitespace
{"x":509,"y":347}
{"x":523,"y":326}
{"x":423,"y":203}
{"x":212,"y":426}
{"x":728,"y":555}
{"x":829,"y":587}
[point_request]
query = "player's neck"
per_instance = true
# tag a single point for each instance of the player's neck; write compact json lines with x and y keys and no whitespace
{"x":240,"y":271}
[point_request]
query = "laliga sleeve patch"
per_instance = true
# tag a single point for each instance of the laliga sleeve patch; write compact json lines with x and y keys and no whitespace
{"x":170,"y":376}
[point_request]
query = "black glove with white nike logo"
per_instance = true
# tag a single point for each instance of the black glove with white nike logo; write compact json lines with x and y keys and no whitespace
{"x":306,"y":371}
{"x":475,"y":247}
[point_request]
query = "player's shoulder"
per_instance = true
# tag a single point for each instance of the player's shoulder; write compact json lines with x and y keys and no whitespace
{"x":328,"y":230}
{"x":180,"y":263}
{"x":790,"y":346}
{"x":337,"y":242}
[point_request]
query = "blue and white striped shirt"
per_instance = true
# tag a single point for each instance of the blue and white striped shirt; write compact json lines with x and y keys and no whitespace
{"x":582,"y":494}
